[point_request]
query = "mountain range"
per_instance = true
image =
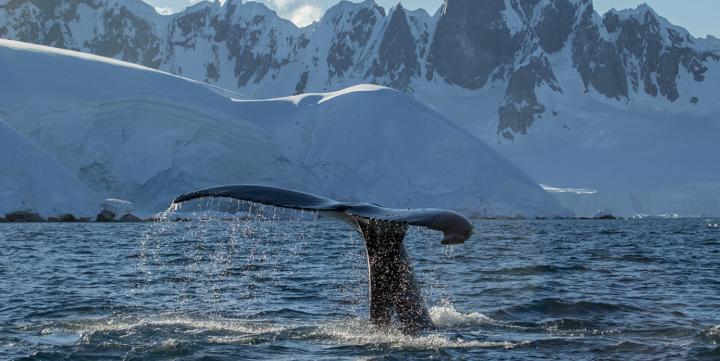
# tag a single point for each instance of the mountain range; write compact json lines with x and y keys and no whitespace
{"x":469,"y":44}
{"x":568,"y":94}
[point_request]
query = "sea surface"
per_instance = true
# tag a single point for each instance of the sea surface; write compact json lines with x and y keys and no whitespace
{"x":297,"y":290}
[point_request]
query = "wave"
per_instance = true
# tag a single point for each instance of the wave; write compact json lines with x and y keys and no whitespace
{"x":171,"y":321}
{"x":360,"y":333}
{"x":559,"y":308}
{"x":612,"y":232}
{"x":537,"y":270}
{"x":571,"y":324}
{"x":446,"y":316}
{"x":172,"y":330}
{"x":639,"y":258}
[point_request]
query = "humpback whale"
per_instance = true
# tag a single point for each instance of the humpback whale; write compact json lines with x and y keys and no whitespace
{"x":394,"y":292}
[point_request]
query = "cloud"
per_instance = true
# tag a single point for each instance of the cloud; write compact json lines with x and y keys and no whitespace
{"x":305,"y":14}
{"x":282,"y":4}
{"x":165,"y":10}
{"x":193,"y":2}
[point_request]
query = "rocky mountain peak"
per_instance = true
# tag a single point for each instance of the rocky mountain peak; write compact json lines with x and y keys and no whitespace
{"x":517,"y":46}
{"x":397,"y":62}
{"x":472,"y":39}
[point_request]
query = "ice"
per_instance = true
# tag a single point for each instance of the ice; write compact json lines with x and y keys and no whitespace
{"x":145,"y":136}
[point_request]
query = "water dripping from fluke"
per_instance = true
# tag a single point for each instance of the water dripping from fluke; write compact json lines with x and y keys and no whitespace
{"x":395,"y":297}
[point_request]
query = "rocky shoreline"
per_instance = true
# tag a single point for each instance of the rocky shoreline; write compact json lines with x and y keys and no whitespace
{"x":104,"y":216}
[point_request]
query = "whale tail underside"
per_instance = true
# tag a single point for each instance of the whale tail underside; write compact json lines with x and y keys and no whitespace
{"x":393,"y":288}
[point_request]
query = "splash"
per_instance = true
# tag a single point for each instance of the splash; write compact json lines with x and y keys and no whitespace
{"x":171,"y":321}
{"x":359,"y":333}
{"x":711,"y":335}
{"x":446,"y":316}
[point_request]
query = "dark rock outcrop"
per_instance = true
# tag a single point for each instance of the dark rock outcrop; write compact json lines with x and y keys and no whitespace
{"x":521,"y":104}
{"x":64,"y":218}
{"x":659,"y":49}
{"x":597,"y":60}
{"x":471,"y":41}
{"x":555,"y":24}
{"x":105,"y":216}
{"x":24,"y":217}
{"x":67,"y":217}
{"x":130,"y":218}
{"x":352,"y":27}
{"x":397,"y":55}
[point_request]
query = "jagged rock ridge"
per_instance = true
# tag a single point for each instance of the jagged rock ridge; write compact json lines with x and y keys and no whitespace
{"x":468,"y":44}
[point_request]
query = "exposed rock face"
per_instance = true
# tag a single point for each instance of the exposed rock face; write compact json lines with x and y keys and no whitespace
{"x":521,"y":105}
{"x":352,"y":27}
{"x":245,"y":41}
{"x":471,"y":41}
{"x":596,"y":59}
{"x":121,"y":30}
{"x":397,"y":55}
{"x":511,"y":44}
{"x":555,"y":23}
{"x":660,"y":50}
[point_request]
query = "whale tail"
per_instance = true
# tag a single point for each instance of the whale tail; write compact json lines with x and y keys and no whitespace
{"x":393,"y":288}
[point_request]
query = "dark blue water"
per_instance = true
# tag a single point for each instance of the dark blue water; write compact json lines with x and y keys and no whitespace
{"x":221,"y":290}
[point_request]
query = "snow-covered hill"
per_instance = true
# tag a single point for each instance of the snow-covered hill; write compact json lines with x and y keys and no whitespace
{"x":135,"y":133}
{"x":34,"y":181}
{"x":620,"y":102}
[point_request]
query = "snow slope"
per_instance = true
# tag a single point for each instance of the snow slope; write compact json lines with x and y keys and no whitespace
{"x":130,"y":132}
{"x":32,"y":180}
{"x":390,"y":149}
{"x":139,"y":134}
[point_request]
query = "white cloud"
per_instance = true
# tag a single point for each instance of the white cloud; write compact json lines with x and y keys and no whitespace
{"x":193,"y":2}
{"x":305,"y":15}
{"x":282,"y":4}
{"x":165,"y":10}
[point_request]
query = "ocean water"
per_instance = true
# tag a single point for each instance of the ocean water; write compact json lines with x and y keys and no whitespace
{"x":250,"y":289}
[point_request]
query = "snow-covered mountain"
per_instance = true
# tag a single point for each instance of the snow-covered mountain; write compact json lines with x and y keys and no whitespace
{"x":139,"y":134}
{"x":568,"y":94}
{"x":507,"y":44}
{"x":32,"y":180}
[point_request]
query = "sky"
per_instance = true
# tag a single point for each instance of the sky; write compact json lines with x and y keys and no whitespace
{"x":700,"y":17}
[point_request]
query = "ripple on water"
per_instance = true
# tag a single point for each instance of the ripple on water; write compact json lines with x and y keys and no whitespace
{"x":555,"y":307}
{"x":538,"y":270}
{"x":523,"y":290}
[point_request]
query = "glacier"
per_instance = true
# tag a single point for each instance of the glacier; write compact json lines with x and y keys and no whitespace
{"x":139,"y":134}
{"x":32,"y":180}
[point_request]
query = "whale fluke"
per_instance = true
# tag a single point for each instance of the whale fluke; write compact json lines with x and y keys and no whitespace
{"x":393,"y":288}
{"x":455,"y":227}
